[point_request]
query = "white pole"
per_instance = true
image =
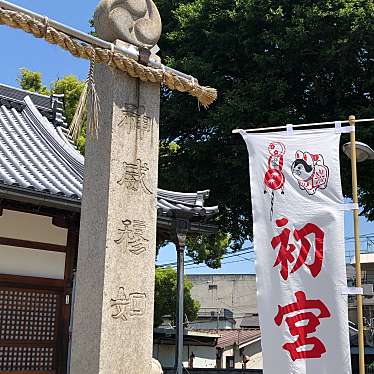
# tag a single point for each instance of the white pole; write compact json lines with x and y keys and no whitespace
{"x":237,"y":131}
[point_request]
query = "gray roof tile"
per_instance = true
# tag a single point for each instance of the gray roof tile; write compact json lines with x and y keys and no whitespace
{"x":37,"y":156}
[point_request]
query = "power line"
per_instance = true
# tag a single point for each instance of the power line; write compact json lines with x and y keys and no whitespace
{"x":191,"y":264}
{"x":223,"y":263}
{"x":245,"y":250}
{"x":225,"y":256}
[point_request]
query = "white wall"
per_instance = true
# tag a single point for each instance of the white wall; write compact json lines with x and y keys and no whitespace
{"x":225,"y":353}
{"x":25,"y":226}
{"x":253,"y":350}
{"x":211,"y":325}
{"x":205,"y":357}
{"x":236,"y":292}
{"x":31,"y":262}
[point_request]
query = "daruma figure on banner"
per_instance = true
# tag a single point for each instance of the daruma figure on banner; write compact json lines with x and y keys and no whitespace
{"x":310,"y":172}
{"x":274,"y":177}
{"x":302,"y":324}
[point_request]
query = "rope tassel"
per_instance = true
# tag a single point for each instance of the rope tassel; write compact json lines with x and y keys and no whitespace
{"x":88,"y":107}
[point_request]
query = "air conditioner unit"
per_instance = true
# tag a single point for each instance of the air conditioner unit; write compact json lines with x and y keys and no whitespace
{"x":368,"y":290}
{"x":369,"y":338}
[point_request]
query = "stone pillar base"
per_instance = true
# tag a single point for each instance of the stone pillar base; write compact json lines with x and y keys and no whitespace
{"x":156,"y":367}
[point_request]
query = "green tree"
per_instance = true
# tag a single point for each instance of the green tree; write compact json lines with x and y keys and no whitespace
{"x":70,"y":86}
{"x":208,"y":248}
{"x":273,"y":62}
{"x":166,"y":296}
{"x":32,"y":81}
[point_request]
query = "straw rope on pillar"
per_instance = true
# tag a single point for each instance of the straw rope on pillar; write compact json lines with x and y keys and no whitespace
{"x":175,"y":82}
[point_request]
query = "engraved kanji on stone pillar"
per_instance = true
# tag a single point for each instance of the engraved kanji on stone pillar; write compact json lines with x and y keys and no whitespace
{"x":113,"y":319}
{"x":127,"y":307}
{"x":131,"y":236}
{"x":135,"y":176}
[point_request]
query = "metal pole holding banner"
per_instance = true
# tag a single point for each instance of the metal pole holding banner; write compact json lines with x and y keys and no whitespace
{"x":360,"y":317}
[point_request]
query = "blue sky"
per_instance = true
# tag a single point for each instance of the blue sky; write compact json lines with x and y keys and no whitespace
{"x":19,"y":49}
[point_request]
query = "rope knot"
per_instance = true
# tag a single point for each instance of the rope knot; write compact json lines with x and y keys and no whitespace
{"x":111,"y":55}
{"x":163,"y":74}
{"x":46,"y":27}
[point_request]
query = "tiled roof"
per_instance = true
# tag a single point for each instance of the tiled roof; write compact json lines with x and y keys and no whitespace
{"x":38,"y":158}
{"x":250,"y":321}
{"x":230,"y":337}
{"x":42,"y":102}
{"x":34,"y":156}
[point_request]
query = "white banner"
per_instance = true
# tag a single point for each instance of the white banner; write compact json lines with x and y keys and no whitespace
{"x":300,"y":259}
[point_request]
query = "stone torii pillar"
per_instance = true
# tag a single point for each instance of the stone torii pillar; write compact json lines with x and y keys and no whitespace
{"x":113,"y":313}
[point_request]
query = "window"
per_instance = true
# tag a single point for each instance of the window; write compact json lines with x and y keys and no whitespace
{"x":230,"y":364}
{"x":212,"y":287}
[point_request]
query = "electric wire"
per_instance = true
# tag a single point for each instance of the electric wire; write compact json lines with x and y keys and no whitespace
{"x":191,"y":264}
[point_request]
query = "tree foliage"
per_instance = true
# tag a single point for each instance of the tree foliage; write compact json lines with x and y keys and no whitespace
{"x":208,"y":248}
{"x":166,"y":296}
{"x":70,"y":86}
{"x":32,"y":81}
{"x":273,"y":62}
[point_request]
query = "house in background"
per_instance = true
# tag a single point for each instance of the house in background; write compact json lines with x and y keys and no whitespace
{"x":213,"y":318}
{"x":235,"y":292}
{"x":250,"y":321}
{"x":367,"y":279}
{"x":229,"y":307}
{"x":41,"y":183}
{"x":239,"y":349}
{"x":210,"y":348}
{"x":199,"y":348}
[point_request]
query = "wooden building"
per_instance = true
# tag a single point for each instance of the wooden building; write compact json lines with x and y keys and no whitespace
{"x":210,"y":349}
{"x":41,"y":179}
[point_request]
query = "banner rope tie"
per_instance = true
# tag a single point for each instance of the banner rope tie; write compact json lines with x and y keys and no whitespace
{"x":46,"y":26}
